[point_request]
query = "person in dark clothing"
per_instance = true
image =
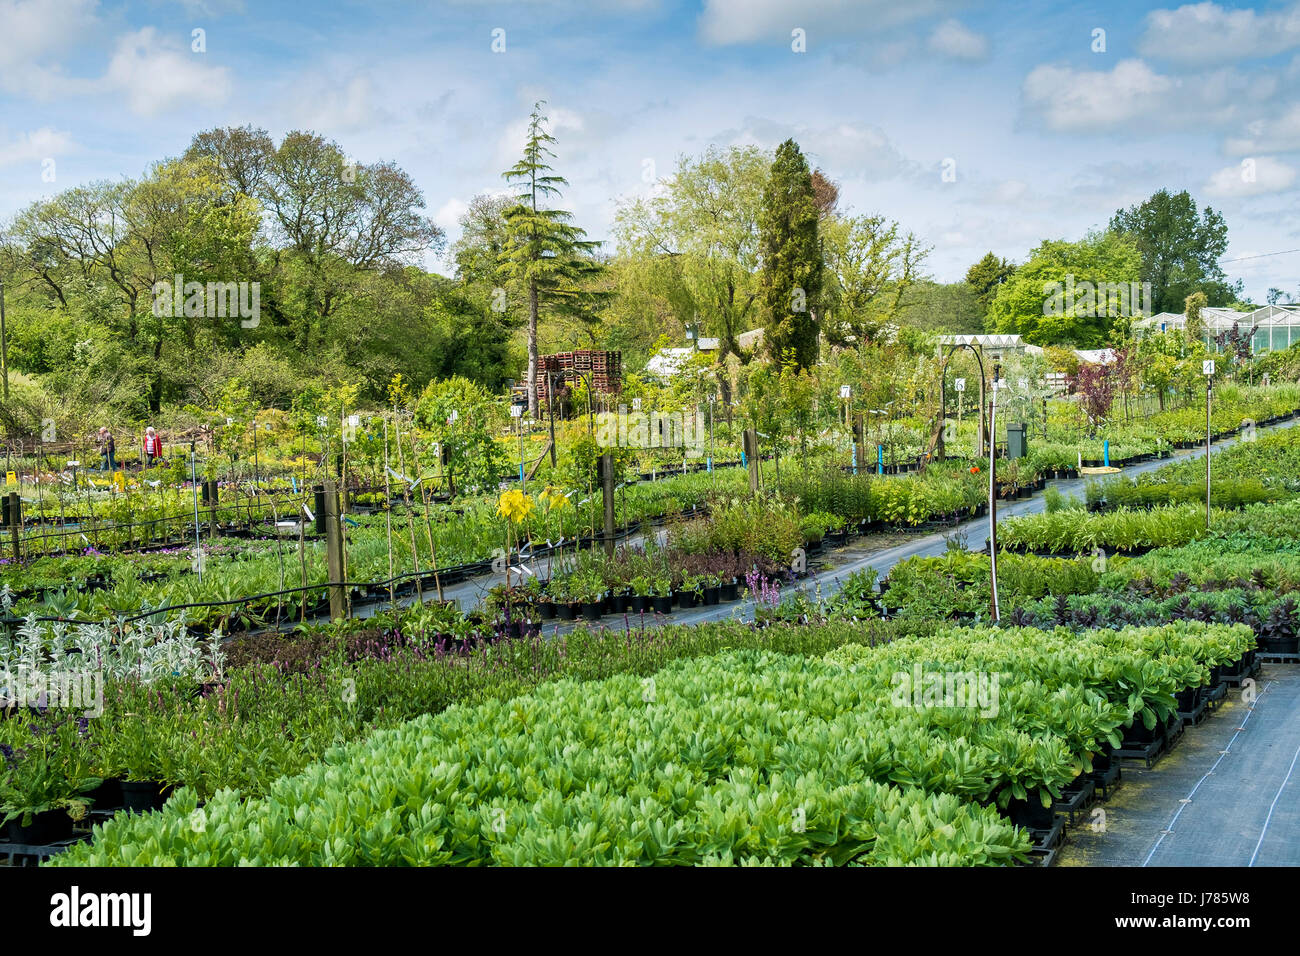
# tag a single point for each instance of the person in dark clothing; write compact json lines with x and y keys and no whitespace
{"x":107,"y":451}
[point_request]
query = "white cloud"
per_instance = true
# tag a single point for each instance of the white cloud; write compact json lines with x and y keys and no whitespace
{"x":35,"y":146}
{"x":35,"y":31}
{"x":157,"y":77}
{"x":449,"y":213}
{"x":1278,"y":135}
{"x":1084,"y":99}
{"x":844,"y":150}
{"x":1252,"y":177}
{"x":1209,"y":33}
{"x":952,"y":39}
{"x":748,"y":21}
{"x":334,"y":107}
{"x":1132,"y":93}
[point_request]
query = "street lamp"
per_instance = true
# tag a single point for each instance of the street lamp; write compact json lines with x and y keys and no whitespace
{"x":993,"y":500}
{"x":1207,"y":368}
{"x":946,"y":355}
{"x":4,"y":342}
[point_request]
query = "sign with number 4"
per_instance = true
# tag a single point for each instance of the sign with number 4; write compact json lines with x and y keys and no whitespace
{"x":1207,"y":367}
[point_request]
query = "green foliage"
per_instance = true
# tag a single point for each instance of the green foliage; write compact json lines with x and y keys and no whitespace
{"x":1180,"y":249}
{"x":731,"y":747}
{"x":984,"y":279}
{"x":1027,"y":304}
{"x":790,"y":283}
{"x":462,"y":418}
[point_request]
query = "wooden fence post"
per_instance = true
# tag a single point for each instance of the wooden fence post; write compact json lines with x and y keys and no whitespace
{"x":334,"y":552}
{"x":751,"y":457}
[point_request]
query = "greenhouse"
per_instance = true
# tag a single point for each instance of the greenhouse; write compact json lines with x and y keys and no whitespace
{"x":1276,"y":327}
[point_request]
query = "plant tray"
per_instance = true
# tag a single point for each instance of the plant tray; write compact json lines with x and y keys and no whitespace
{"x":1107,"y":780}
{"x":1042,"y":857}
{"x":1147,"y":752}
{"x":1276,"y":657}
{"x":1049,"y":839}
{"x":1197,"y":714}
{"x":1076,"y":801}
{"x":1173,"y":736}
{"x":1234,"y":680}
{"x":1213,"y":697}
{"x":25,"y":852}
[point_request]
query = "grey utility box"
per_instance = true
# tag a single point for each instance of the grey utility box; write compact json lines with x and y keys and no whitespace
{"x":1017,"y":446}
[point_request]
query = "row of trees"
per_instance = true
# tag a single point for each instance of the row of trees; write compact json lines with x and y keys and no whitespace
{"x":1164,"y":244}
{"x":732,"y":240}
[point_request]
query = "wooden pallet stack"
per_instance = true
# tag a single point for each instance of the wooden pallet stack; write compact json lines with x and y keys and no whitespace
{"x":607,"y":372}
{"x":565,"y":370}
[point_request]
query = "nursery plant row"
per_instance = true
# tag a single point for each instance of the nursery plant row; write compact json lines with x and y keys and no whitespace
{"x":706,"y":761}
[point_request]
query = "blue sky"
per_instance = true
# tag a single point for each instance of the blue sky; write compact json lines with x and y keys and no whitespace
{"x":1047,"y":135}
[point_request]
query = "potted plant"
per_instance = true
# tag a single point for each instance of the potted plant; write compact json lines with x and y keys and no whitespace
{"x":1277,"y":630}
{"x":662,"y":595}
{"x":589,"y":591}
{"x":730,"y":589}
{"x":45,"y":784}
{"x":642,"y":593}
{"x":546,"y":606}
{"x":561,"y":589}
{"x":620,"y":597}
{"x":711,"y":591}
{"x":691,"y":590}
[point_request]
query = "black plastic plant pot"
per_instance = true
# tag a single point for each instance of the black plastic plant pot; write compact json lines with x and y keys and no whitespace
{"x":687,"y":599}
{"x":51,"y":826}
{"x":1280,"y":645}
{"x":591,"y":611}
{"x":1187,"y":699}
{"x":711,"y":596}
{"x":141,"y":796}
{"x":730,"y":592}
{"x":547,"y":609}
{"x":640,"y":603}
{"x":567,"y":612}
{"x":663,"y":604}
{"x":1031,"y":813}
{"x":108,"y":795}
{"x":1140,"y":733}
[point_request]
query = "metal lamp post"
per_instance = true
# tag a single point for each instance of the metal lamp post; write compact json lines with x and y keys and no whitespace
{"x":993,"y":500}
{"x":1207,"y":367}
{"x":946,"y":354}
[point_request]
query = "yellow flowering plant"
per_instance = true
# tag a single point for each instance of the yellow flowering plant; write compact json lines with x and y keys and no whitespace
{"x":515,"y":507}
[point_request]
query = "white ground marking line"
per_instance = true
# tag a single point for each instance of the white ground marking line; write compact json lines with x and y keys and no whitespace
{"x":1184,"y":804}
{"x":1269,"y":818}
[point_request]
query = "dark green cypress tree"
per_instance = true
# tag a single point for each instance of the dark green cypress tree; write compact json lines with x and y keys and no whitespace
{"x":790,"y":248}
{"x":544,"y":251}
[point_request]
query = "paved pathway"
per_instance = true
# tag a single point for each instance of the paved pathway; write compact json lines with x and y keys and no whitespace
{"x":1228,"y":794}
{"x":974,"y":533}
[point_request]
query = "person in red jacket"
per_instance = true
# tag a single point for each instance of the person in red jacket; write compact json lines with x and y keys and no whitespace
{"x":152,"y":447}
